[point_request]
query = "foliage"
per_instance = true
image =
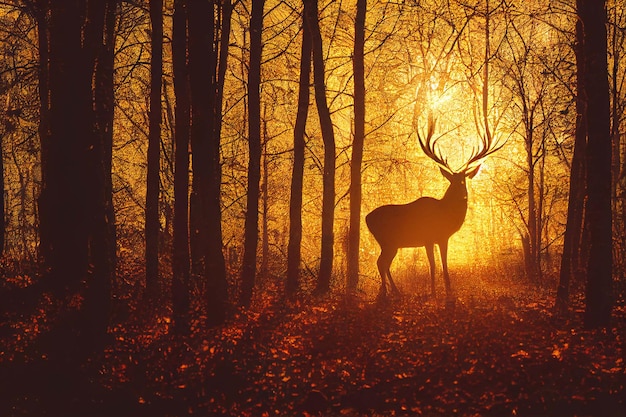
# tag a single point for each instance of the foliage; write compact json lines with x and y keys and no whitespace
{"x":500,"y":351}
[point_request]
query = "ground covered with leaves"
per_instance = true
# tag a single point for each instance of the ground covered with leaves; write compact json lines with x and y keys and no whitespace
{"x":497,"y":353}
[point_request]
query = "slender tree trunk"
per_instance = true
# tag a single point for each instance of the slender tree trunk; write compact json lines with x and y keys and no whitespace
{"x":540,"y":210}
{"x":358,"y":65}
{"x":42,"y":9}
{"x":215,"y":274}
{"x":251,"y":234}
{"x":297,"y":176}
{"x":599,"y":300}
{"x":265,"y":245}
{"x":103,"y":235}
{"x":532,"y":209}
{"x":181,"y":256}
{"x":2,"y":203}
{"x":576,"y":198}
{"x":152,"y":225}
{"x":616,"y":118}
{"x":328,"y":136}
{"x":202,"y":69}
{"x":201,"y":74}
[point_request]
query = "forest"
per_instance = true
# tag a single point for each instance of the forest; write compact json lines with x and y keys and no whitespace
{"x":218,"y":208}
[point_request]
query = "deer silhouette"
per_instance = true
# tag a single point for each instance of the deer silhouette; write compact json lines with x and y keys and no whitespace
{"x":427,"y":221}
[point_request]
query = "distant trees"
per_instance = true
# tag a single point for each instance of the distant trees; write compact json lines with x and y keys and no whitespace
{"x":418,"y":57}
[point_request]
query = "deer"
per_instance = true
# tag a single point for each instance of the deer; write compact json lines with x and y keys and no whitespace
{"x":427,"y":221}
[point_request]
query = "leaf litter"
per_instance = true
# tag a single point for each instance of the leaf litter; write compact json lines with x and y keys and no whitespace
{"x":490,"y":355}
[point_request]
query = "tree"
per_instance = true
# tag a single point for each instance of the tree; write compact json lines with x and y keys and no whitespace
{"x":208,"y":53}
{"x":573,"y":229}
{"x":103,"y":242}
{"x":152,"y":223}
{"x":181,"y":255}
{"x":599,"y":302}
{"x":297,"y":175}
{"x":75,"y":200}
{"x":328,"y":137}
{"x":251,"y":234}
{"x":354,"y":233}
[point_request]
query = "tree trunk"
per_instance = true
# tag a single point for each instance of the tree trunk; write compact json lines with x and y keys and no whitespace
{"x":206,"y":72}
{"x":152,"y":225}
{"x":66,"y":184}
{"x":202,"y":63}
{"x":532,"y":209}
{"x":103,"y":234}
{"x":599,"y":301}
{"x":42,"y":9}
{"x":358,"y":65}
{"x":573,"y":228}
{"x":328,"y":136}
{"x":181,"y":256}
{"x":617,"y":191}
{"x":265,"y":244}
{"x":297,"y":176}
{"x":2,"y":203}
{"x":251,"y":234}
{"x":215,"y":274}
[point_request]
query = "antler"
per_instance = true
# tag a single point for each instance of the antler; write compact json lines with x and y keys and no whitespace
{"x":486,"y":148}
{"x":428,"y":145}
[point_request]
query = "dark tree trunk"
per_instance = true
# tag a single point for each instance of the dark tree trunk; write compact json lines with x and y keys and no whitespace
{"x":42,"y":9}
{"x":573,"y":229}
{"x":103,"y":235}
{"x":207,"y":61}
{"x":358,"y":64}
{"x":265,"y":244}
{"x":65,"y":180}
{"x":202,"y":69}
{"x":531,"y":263}
{"x":2,"y":203}
{"x":215,"y":274}
{"x":297,"y":176}
{"x":152,"y":224}
{"x":251,"y":234}
{"x":76,"y":138}
{"x":181,"y":256}
{"x":328,"y":136}
{"x":599,"y":301}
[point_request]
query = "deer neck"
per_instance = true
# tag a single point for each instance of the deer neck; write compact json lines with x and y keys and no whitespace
{"x":454,"y":201}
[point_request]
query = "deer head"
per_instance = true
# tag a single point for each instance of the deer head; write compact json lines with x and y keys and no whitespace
{"x":468,"y":170}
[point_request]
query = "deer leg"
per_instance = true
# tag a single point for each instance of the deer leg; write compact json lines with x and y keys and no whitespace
{"x":384,"y":262}
{"x":443,"y":250}
{"x":430,"y":252}
{"x":393,"y":285}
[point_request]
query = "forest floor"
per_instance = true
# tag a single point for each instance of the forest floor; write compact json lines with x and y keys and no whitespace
{"x":500,"y":351}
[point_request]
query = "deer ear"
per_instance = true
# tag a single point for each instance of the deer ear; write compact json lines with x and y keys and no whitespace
{"x":473,"y":172}
{"x":446,"y":174}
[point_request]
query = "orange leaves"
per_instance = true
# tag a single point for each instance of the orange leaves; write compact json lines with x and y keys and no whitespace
{"x":407,"y":358}
{"x":520,"y":354}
